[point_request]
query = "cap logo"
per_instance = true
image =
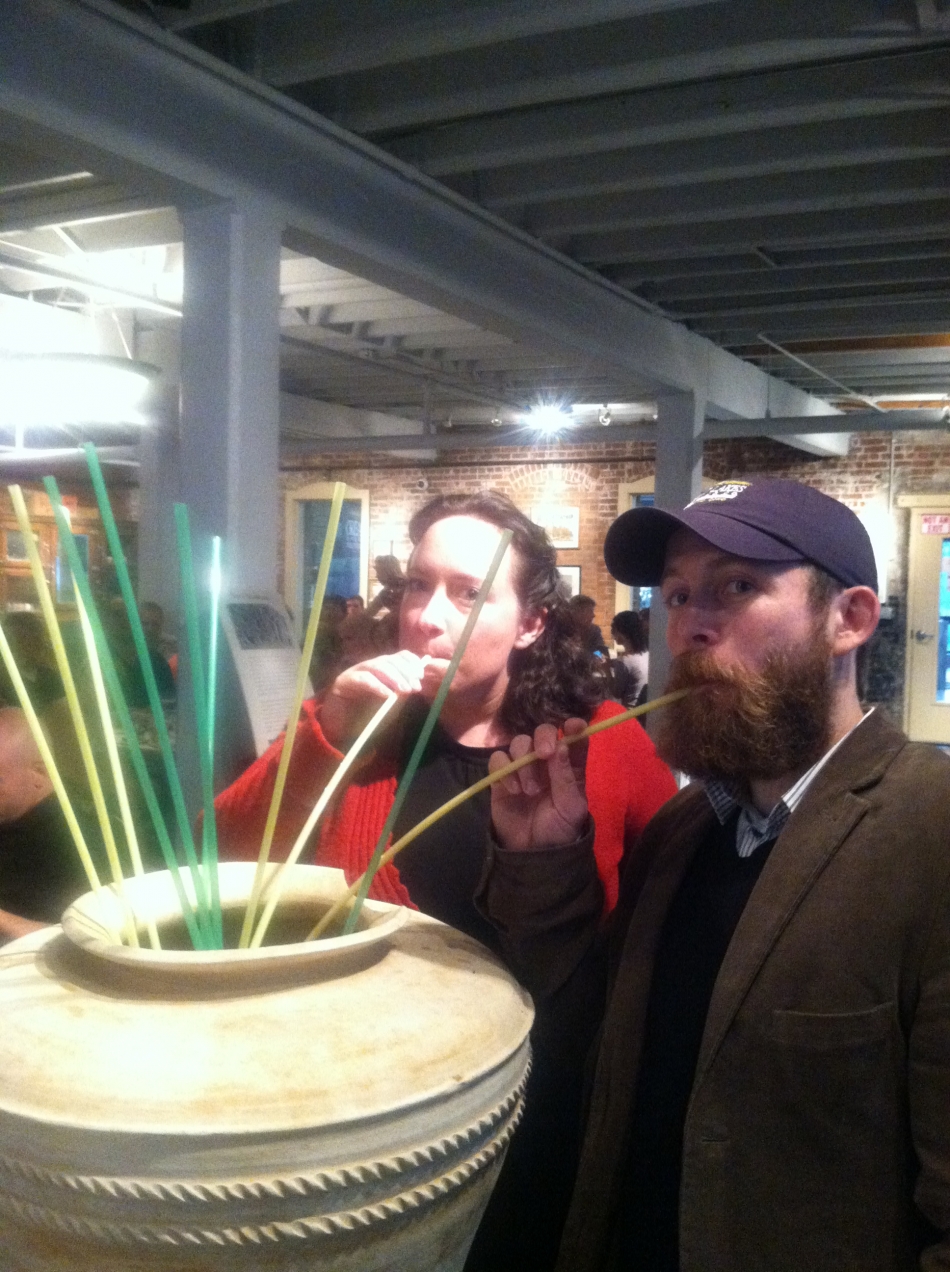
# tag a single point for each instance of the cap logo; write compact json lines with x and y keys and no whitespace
{"x":719,"y":494}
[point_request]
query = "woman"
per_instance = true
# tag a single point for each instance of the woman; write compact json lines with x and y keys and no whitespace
{"x":629,"y":631}
{"x":523,"y":666}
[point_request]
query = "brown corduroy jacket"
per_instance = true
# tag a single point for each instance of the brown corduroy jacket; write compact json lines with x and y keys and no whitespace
{"x":817,"y":1137}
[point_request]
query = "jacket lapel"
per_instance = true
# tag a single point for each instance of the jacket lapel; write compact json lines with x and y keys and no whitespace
{"x":830,"y":810}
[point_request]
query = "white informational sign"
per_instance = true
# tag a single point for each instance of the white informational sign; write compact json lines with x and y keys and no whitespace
{"x":267,"y":658}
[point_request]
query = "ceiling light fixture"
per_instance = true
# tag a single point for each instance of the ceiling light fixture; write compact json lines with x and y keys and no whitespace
{"x":548,"y":417}
{"x":61,"y":390}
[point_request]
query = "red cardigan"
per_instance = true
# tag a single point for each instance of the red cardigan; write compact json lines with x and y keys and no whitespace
{"x":626,"y":784}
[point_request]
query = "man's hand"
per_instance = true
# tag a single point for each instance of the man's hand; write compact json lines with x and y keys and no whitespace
{"x":13,"y":926}
{"x":543,"y":805}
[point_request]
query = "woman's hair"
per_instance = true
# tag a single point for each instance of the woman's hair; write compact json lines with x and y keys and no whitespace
{"x":553,"y":679}
{"x":629,"y":627}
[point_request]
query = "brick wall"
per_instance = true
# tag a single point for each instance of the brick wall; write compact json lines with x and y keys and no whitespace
{"x":588,"y":477}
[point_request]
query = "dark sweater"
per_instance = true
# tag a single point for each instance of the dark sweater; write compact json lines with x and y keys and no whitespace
{"x":40,"y":872}
{"x":695,"y":936}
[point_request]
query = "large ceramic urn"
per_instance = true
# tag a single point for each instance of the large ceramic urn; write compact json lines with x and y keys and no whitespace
{"x":338,"y":1105}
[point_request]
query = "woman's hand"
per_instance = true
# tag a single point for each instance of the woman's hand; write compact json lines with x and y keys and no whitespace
{"x":543,"y":805}
{"x":358,"y":691}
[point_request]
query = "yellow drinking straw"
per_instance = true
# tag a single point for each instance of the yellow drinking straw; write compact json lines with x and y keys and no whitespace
{"x":112,"y":749}
{"x":39,"y":737}
{"x":279,"y":881}
{"x":319,"y":591}
{"x":72,"y":698}
{"x":481,"y":785}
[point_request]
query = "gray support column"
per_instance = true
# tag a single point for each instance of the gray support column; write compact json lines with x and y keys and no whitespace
{"x":159,"y":474}
{"x":229,"y":384}
{"x":229,"y":431}
{"x":679,"y":476}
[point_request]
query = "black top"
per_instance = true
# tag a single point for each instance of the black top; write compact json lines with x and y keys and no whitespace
{"x":40,"y":871}
{"x":443,"y":867}
{"x":693,"y":943}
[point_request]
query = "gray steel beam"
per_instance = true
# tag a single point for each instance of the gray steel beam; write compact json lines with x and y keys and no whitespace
{"x":368,"y":35}
{"x":456,"y":441}
{"x":805,"y":148}
{"x":618,"y":57}
{"x":713,"y":430}
{"x":769,"y":309}
{"x":203,"y":12}
{"x":782,"y":194}
{"x":852,"y":422}
{"x":150,"y":99}
{"x":753,"y":261}
{"x":740,"y":104}
{"x":682,"y":292}
{"x":808,"y":230}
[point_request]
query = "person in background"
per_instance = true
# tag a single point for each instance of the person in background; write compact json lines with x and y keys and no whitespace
{"x":772,"y":1083}
{"x":392,"y":583}
{"x":583,"y":608}
{"x":40,"y":871}
{"x":354,"y":605}
{"x":327,"y":659}
{"x":523,"y":664}
{"x":118,"y":632}
{"x":629,"y":633}
{"x":30,"y":644}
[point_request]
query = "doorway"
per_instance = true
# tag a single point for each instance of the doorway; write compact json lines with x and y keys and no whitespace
{"x":927,"y":669}
{"x":305,"y":521}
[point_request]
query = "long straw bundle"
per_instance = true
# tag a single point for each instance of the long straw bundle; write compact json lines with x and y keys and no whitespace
{"x":203,"y":918}
{"x":120,"y":706}
{"x":483,"y":784}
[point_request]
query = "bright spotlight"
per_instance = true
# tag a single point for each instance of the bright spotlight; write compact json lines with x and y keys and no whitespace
{"x":548,"y":417}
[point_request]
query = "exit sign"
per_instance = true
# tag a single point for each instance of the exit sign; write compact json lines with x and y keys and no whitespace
{"x":935,"y":523}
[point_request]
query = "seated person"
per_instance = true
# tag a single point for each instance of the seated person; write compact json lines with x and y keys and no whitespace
{"x":40,"y":871}
{"x":128,"y":667}
{"x":583,"y":608}
{"x":524,"y":664}
{"x":33,"y":652}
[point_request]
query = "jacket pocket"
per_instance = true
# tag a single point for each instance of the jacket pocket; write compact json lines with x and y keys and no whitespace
{"x":820,"y":1031}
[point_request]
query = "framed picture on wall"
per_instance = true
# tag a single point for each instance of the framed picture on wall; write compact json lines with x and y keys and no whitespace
{"x":571,"y":575}
{"x":561,"y":522}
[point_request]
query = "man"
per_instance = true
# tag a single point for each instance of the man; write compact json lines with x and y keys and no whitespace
{"x":40,"y":873}
{"x":772,"y":1084}
{"x":583,"y":608}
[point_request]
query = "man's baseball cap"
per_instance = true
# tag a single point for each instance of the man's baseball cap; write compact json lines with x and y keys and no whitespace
{"x":778,"y":521}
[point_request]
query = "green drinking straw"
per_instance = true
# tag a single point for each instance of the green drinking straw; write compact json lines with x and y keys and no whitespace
{"x":148,"y":674}
{"x":427,"y":727}
{"x":213,"y":640}
{"x":209,"y":856}
{"x":120,"y":706}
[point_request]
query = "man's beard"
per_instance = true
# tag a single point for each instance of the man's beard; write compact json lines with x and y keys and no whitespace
{"x":738,"y":726}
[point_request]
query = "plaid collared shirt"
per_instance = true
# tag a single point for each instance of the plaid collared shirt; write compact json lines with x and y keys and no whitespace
{"x":754,"y":828}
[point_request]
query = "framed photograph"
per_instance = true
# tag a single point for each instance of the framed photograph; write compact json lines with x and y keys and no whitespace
{"x":561,"y":522}
{"x":571,"y":574}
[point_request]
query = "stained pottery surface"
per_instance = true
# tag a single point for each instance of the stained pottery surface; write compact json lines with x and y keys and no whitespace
{"x":333,"y":1110}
